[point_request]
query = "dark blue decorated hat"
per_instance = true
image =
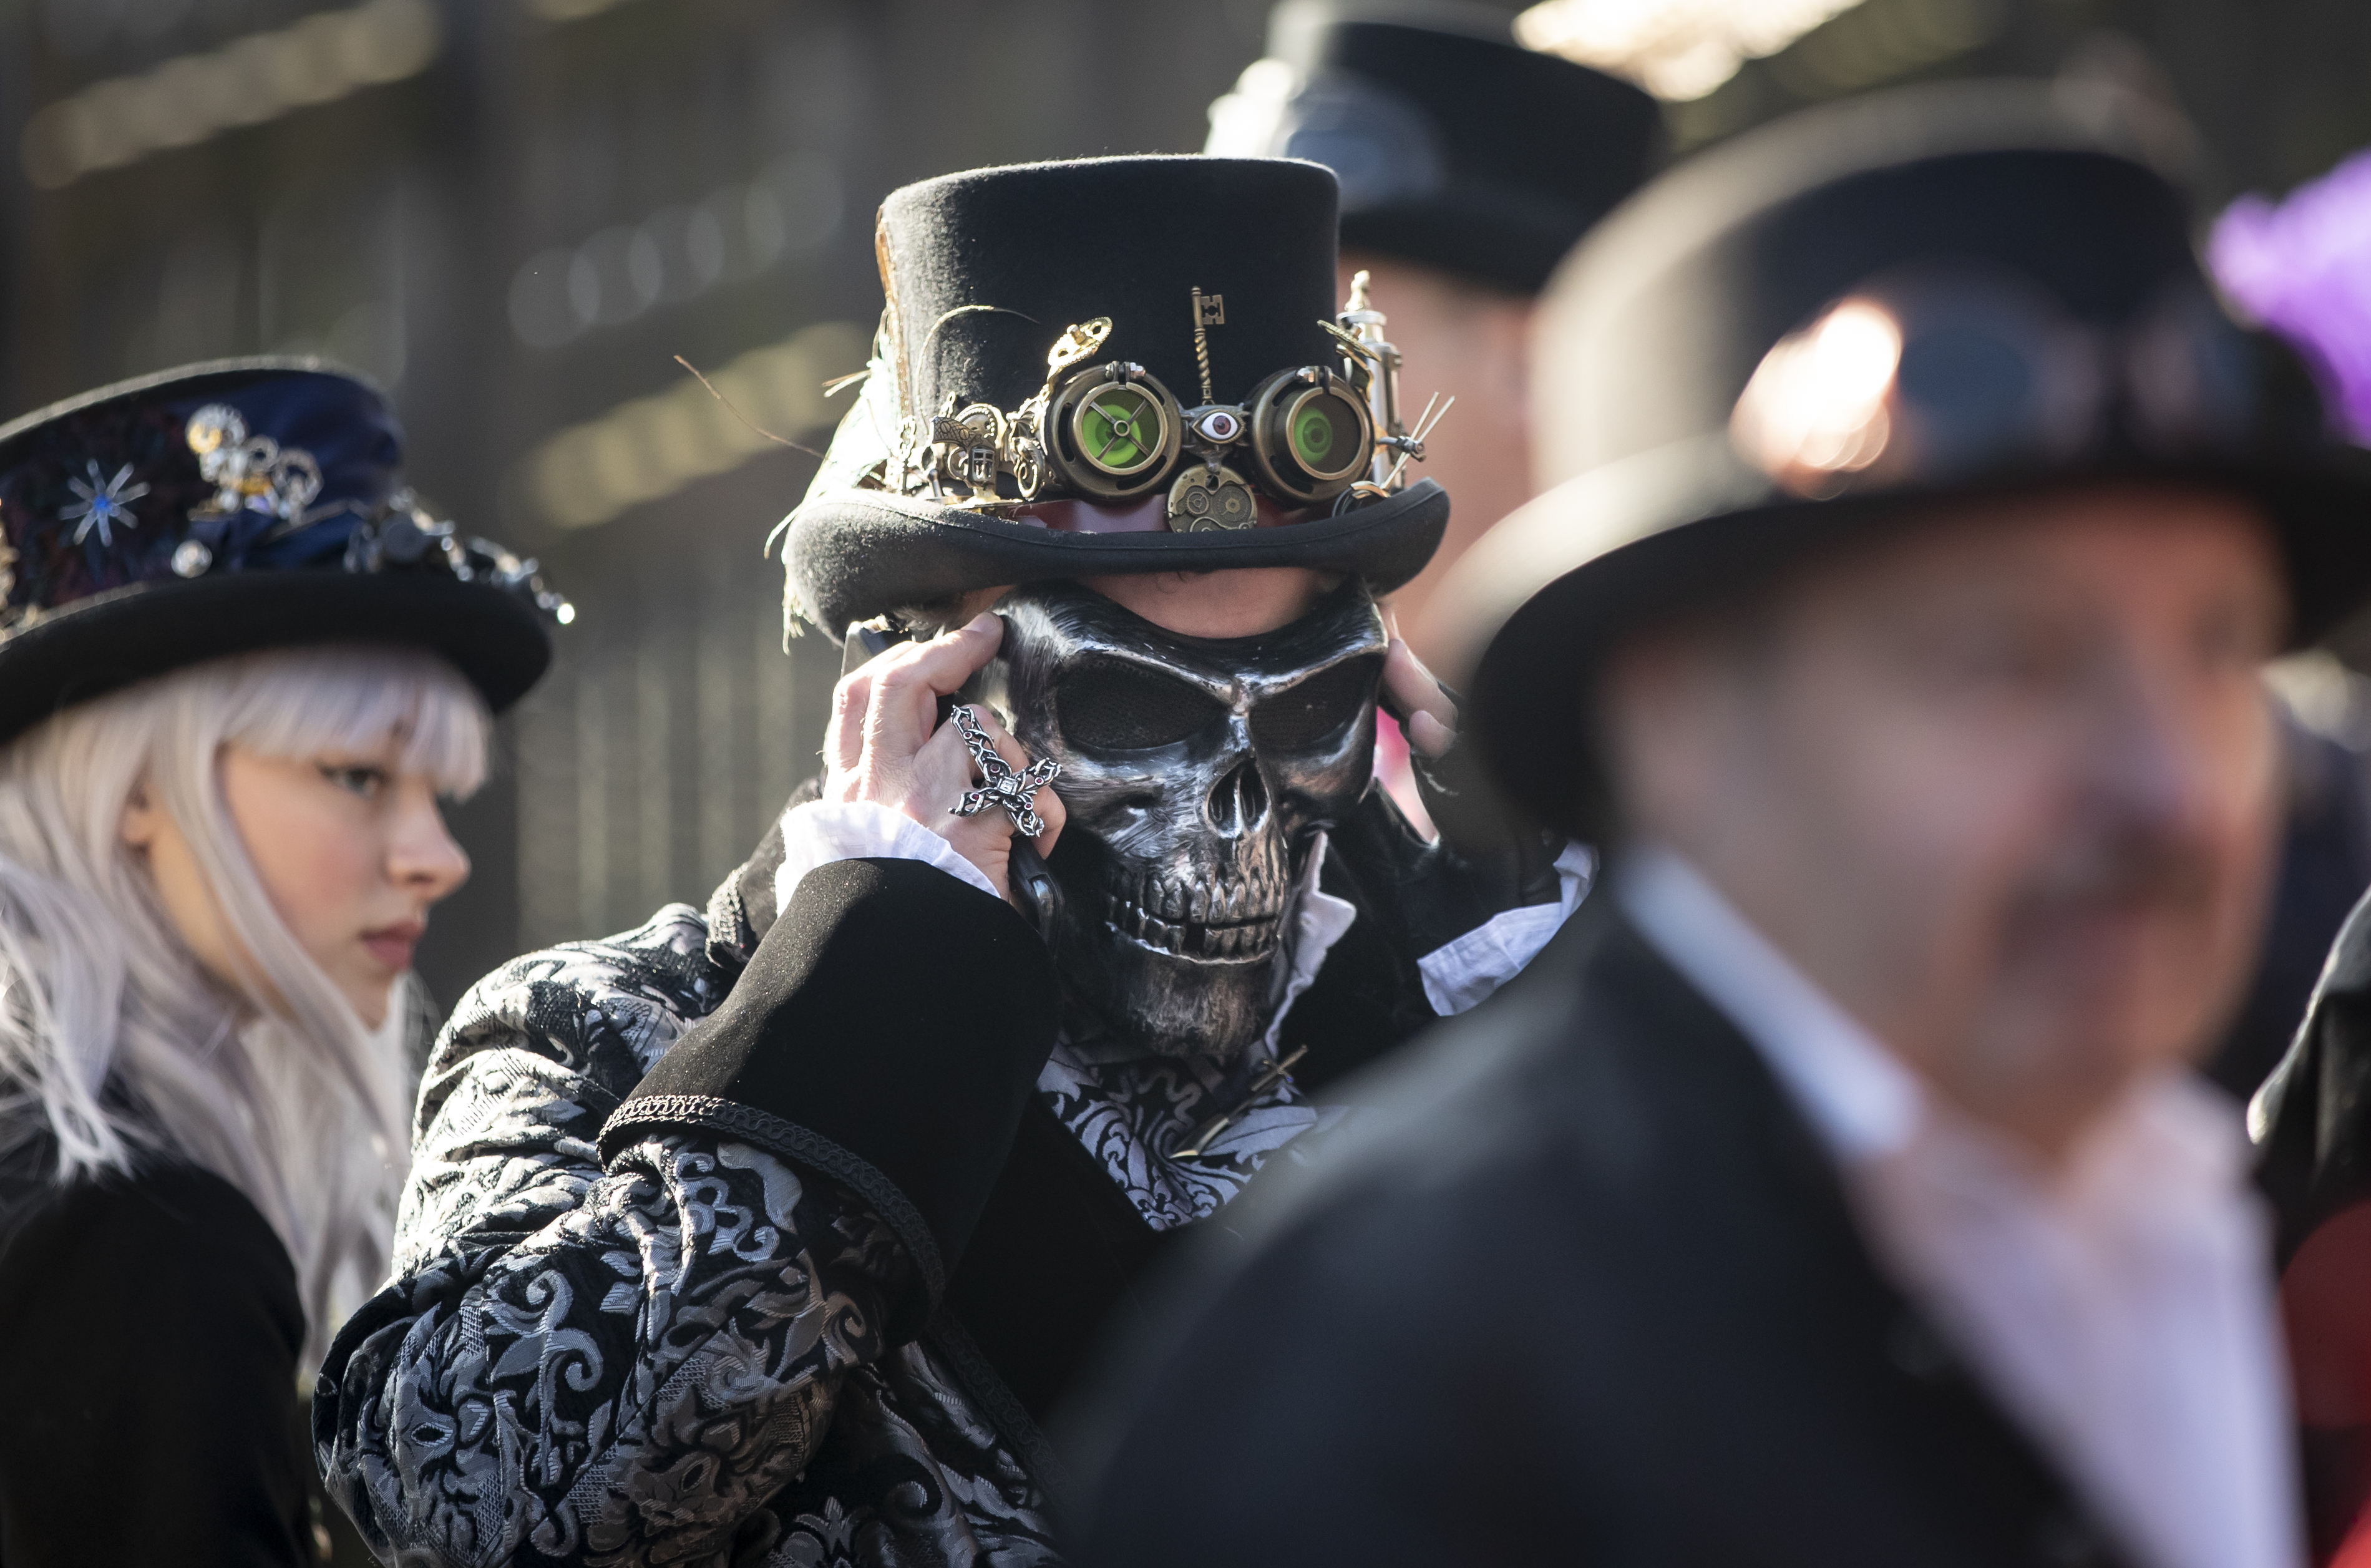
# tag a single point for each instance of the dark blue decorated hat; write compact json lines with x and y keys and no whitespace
{"x":229,"y":507}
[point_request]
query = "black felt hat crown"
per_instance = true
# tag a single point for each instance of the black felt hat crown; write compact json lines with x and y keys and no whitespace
{"x":983,"y":273}
{"x":230,"y":507}
{"x":983,"y":270}
{"x":1455,"y":146}
{"x":1827,"y":323}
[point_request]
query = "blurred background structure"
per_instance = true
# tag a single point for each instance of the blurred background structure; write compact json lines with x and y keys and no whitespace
{"x":517,"y":213}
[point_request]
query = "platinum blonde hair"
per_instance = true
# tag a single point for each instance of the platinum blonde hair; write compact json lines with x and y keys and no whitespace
{"x":116,"y":1045}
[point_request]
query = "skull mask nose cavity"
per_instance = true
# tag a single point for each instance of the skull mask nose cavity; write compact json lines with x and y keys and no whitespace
{"x":1238,"y":802}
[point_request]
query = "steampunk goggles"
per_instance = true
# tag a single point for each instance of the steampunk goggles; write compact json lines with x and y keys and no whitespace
{"x":1110,"y":432}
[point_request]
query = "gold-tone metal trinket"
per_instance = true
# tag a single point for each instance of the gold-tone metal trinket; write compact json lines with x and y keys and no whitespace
{"x":969,"y":443}
{"x":1201,"y":1137}
{"x":1208,"y":499}
{"x":1209,"y":310}
{"x":1110,"y":432}
{"x":249,"y":472}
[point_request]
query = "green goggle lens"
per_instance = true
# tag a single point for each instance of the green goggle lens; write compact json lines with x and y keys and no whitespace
{"x":1324,"y":434}
{"x":1120,"y":430}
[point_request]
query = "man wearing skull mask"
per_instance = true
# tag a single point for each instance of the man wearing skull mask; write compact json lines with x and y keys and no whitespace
{"x":779,"y":1230}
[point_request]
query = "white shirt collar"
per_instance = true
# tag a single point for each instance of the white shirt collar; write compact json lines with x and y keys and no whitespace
{"x":1314,"y":922}
{"x":1864,"y":1104}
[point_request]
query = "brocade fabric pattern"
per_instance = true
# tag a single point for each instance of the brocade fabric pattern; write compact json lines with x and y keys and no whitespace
{"x":1133,"y":1113}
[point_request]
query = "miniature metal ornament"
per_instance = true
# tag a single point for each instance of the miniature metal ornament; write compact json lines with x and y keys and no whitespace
{"x":1219,"y":425}
{"x":1073,"y":347}
{"x":998,"y":784}
{"x":408,"y":538}
{"x":967,"y":441}
{"x":1361,"y":328}
{"x":249,"y":472}
{"x":1209,"y":310}
{"x":105,"y":504}
{"x":1196,"y":774}
{"x":191,"y":559}
{"x":1205,"y":500}
{"x":1207,"y":1132}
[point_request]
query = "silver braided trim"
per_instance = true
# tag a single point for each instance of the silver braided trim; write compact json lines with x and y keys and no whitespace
{"x":791,"y":1142}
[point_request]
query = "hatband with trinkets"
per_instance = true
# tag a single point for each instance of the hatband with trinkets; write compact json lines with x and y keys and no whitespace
{"x":229,"y":507}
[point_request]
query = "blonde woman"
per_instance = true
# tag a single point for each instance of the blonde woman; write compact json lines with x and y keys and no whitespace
{"x":238,"y":667}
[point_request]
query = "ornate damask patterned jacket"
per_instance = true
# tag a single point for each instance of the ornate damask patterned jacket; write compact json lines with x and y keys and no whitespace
{"x":685,"y":1354}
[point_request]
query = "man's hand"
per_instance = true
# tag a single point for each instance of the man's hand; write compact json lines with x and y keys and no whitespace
{"x":1412,"y":696}
{"x":885,"y":744}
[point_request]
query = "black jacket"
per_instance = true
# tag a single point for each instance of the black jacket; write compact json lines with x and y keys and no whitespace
{"x":149,"y":1329}
{"x":1582,"y":1288}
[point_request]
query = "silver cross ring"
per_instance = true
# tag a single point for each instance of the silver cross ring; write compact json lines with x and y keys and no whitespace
{"x":999,"y":786}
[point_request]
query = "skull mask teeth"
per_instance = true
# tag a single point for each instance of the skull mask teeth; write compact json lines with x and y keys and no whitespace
{"x":1234,"y":916}
{"x":1196,"y":774}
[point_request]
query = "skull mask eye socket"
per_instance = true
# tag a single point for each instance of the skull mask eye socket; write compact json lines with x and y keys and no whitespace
{"x":1306,"y":715}
{"x":1111,"y":705}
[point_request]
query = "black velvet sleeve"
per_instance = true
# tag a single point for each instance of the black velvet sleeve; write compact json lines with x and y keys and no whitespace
{"x":887,"y":1031}
{"x":149,"y":1330}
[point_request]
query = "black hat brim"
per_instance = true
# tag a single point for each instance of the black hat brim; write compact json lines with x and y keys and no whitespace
{"x":112,"y":641}
{"x":1547,"y":595}
{"x":856,"y":554}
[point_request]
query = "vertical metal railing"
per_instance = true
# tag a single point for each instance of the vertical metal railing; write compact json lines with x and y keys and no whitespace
{"x":653,"y":758}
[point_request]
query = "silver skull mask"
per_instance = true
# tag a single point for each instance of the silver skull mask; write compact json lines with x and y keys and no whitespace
{"x":1195,"y":773}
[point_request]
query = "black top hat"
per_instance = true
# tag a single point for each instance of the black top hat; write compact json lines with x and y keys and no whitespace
{"x":1108,"y":366}
{"x":1936,"y":293}
{"x":1456,"y":147}
{"x":229,"y":507}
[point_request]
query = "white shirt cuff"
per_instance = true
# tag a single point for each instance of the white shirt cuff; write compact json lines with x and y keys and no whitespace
{"x":823,"y":830}
{"x":1459,"y":974}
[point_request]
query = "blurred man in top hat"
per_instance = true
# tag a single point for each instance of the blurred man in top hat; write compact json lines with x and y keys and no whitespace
{"x":1469,"y":166}
{"x":1835,"y":1189}
{"x":774,"y":1234}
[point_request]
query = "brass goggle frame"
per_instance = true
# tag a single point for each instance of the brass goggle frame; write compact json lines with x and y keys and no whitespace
{"x":1112,"y":432}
